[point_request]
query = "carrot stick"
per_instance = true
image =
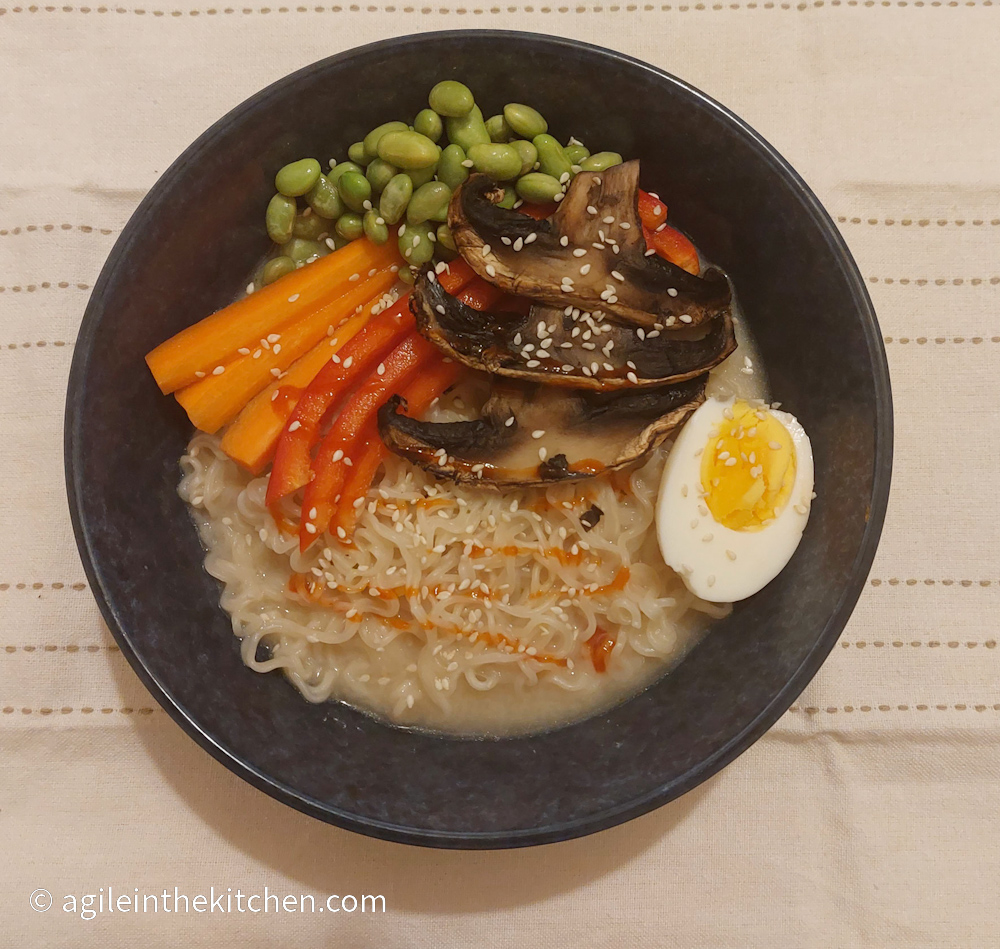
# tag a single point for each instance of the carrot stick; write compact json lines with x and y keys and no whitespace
{"x":292,"y":456}
{"x":202,"y":347}
{"x":334,"y":457}
{"x":251,"y":439}
{"x":371,"y":451}
{"x":217,"y":399}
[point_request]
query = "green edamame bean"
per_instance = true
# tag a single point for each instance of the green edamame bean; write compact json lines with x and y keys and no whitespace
{"x":429,"y":123}
{"x":552,"y":158}
{"x":276,"y":268}
{"x":416,"y":243}
{"x":524,"y":120}
{"x":601,"y":161}
{"x":325,"y":200}
{"x":356,"y":153}
{"x":450,"y":168}
{"x":372,"y":139}
{"x":498,"y":129}
{"x":440,"y":216}
{"x":420,"y":176}
{"x":310,"y":226}
{"x":427,"y":201}
{"x":528,"y":153}
{"x":509,"y":198}
{"x":576,"y":153}
{"x":297,"y":178}
{"x":355,"y":189}
{"x":406,"y":149}
{"x":376,"y":230}
{"x":445,"y":238}
{"x":379,"y":173}
{"x":500,"y":162}
{"x":340,"y":168}
{"x":395,"y":197}
{"x":538,"y":188}
{"x":280,"y":218}
{"x":451,"y":98}
{"x":405,"y":274}
{"x":301,"y":250}
{"x":350,"y":226}
{"x":468,"y":130}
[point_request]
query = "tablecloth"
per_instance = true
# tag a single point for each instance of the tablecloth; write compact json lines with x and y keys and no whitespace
{"x":868,"y":816}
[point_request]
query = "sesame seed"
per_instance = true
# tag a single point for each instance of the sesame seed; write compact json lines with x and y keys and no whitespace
{"x":310,"y":528}
{"x":532,"y":363}
{"x":277,"y":348}
{"x":295,"y":426}
{"x":566,"y":287}
{"x":730,"y":462}
{"x":348,"y":361}
{"x":293,"y":298}
{"x":624,"y":225}
{"x":542,"y":454}
{"x":335,"y":358}
{"x":468,"y":163}
{"x":491,"y":270}
{"x":199,"y":374}
{"x":506,"y":240}
{"x":597,"y":245}
{"x":617,"y":276}
{"x":632,"y":377}
{"x":256,"y":355}
{"x":649,"y":252}
{"x":707,"y":539}
{"x":591,"y":209}
{"x":250,"y":288}
{"x":610,"y":219}
{"x":723,"y":455}
{"x":684,"y":490}
{"x":564,"y":241}
{"x":685,"y":318}
{"x":671,"y":292}
{"x":531,"y":238}
{"x":485,"y":250}
{"x":711,"y":581}
{"x":218,"y":370}
{"x":538,"y":433}
{"x":337,"y":455}
{"x":243,"y":351}
{"x":774,"y":446}
{"x":579,"y":251}
{"x":641,"y":333}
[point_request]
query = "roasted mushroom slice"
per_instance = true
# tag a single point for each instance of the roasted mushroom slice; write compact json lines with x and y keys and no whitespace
{"x":531,"y":434}
{"x":591,"y":253}
{"x":567,"y":347}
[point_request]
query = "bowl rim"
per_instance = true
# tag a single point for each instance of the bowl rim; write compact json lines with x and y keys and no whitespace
{"x":591,"y":823}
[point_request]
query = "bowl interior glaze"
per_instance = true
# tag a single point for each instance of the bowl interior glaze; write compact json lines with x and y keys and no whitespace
{"x":187,"y":251}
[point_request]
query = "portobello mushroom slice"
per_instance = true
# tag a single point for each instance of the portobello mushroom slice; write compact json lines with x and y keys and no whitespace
{"x":529,"y":434}
{"x":567,"y":347}
{"x":591,"y":253}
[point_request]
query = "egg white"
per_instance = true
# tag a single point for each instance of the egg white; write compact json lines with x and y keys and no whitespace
{"x":697,"y":546}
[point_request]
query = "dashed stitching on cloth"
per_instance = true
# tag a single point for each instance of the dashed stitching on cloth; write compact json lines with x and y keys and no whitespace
{"x":922,"y":340}
{"x":834,"y":709}
{"x":937,"y":281}
{"x":85,"y":710}
{"x":46,"y":285}
{"x":76,"y":586}
{"x":919,"y":222}
{"x":917,"y":644}
{"x":40,"y":344}
{"x":481,"y":11}
{"x":70,"y":648}
{"x":912,"y":582}
{"x":46,"y":228}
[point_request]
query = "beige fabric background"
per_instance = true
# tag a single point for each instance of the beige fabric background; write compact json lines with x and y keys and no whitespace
{"x":867,"y":817}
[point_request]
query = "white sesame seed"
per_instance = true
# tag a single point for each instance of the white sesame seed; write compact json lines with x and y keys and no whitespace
{"x":293,"y":298}
{"x":542,"y":453}
{"x":640,"y":332}
{"x":649,"y":252}
{"x":491,"y":270}
{"x":218,"y":370}
{"x":730,"y":462}
{"x":591,"y":209}
{"x":610,"y":219}
{"x":532,"y":363}
{"x":243,"y":351}
{"x":310,"y":528}
{"x":198,"y":374}
{"x":632,"y":377}
{"x":774,"y":446}
{"x":671,"y":292}
{"x":250,"y":288}
{"x":294,"y":427}
{"x":617,"y":276}
{"x":337,"y":455}
{"x":348,"y":362}
{"x":579,"y":251}
{"x":685,"y":318}
{"x":538,"y":433}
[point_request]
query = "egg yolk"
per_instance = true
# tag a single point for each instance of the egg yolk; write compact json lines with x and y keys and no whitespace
{"x":747,"y":468}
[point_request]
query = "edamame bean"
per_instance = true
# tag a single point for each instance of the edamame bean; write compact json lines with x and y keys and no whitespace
{"x":451,"y":98}
{"x":405,"y":274}
{"x":310,"y":226}
{"x":337,"y":170}
{"x":420,"y":176}
{"x":509,"y":198}
{"x":280,"y":218}
{"x":301,"y":250}
{"x":350,"y":226}
{"x":576,"y":153}
{"x":297,"y":178}
{"x":440,"y":216}
{"x":498,"y":129}
{"x":325,"y":200}
{"x":376,"y":230}
{"x":429,"y":123}
{"x":372,"y":139}
{"x":416,"y":243}
{"x":552,"y":158}
{"x":528,"y":153}
{"x":445,"y":238}
{"x":500,"y":162}
{"x":355,"y":189}
{"x":379,"y":173}
{"x":538,"y":188}
{"x":427,"y":201}
{"x":450,"y":168}
{"x":356,"y":153}
{"x":601,"y":161}
{"x":524,"y":120}
{"x":468,"y":130}
{"x":406,"y":149}
{"x":276,"y":268}
{"x":395,"y":196}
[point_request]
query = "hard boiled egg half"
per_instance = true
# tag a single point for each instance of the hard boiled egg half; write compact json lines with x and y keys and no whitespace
{"x":735,"y":498}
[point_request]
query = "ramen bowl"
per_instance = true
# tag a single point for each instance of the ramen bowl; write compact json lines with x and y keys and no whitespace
{"x":187,"y":251}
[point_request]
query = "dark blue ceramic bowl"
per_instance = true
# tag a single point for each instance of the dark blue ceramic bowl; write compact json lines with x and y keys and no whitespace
{"x":187,"y":251}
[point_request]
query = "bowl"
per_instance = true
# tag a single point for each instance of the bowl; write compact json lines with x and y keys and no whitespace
{"x":187,"y":251}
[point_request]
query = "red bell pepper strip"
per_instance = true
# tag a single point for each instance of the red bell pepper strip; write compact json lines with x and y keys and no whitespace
{"x":419,"y":394}
{"x":652,"y":211}
{"x":336,"y":451}
{"x":672,"y":245}
{"x":355,"y":361}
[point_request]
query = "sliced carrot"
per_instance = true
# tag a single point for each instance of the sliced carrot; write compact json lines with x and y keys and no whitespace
{"x":217,"y":399}
{"x":652,"y":211}
{"x":371,"y":451}
{"x":335,"y":453}
{"x":672,"y":245}
{"x":251,"y":439}
{"x":358,"y":359}
{"x":206,"y":344}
